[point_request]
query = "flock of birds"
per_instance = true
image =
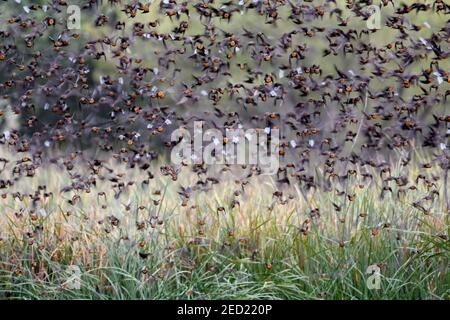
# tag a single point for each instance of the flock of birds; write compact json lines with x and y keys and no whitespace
{"x":287,"y":69}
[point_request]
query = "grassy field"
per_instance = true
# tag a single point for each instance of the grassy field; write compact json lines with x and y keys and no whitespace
{"x":231,"y":242}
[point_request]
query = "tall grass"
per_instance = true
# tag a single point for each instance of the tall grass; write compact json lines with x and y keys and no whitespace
{"x":293,"y":246}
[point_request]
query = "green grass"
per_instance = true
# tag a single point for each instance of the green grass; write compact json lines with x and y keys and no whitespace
{"x":328,"y":272}
{"x":263,"y":249}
